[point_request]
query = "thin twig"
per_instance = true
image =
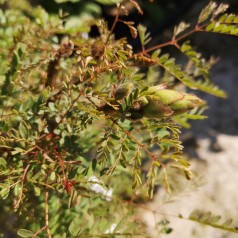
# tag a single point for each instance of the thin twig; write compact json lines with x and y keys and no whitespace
{"x":46,"y":226}
{"x":22,"y":186}
{"x":175,"y":40}
{"x":61,"y":163}
{"x":47,"y":213}
{"x":70,"y":108}
{"x":151,"y":155}
{"x":63,"y":117}
{"x":40,"y":230}
{"x":114,"y":23}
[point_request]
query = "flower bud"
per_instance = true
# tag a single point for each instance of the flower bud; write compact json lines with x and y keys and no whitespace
{"x":168,"y":96}
{"x":165,"y":102}
{"x":155,"y":88}
{"x":156,"y":109}
{"x":189,"y":102}
{"x":123,"y":90}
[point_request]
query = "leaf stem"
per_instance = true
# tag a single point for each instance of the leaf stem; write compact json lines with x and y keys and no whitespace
{"x":114,"y":23}
{"x":22,"y":186}
{"x":175,"y":40}
{"x":40,"y":230}
{"x":151,"y":155}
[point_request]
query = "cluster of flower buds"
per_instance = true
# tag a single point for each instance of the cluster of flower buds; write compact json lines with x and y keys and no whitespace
{"x":159,"y":102}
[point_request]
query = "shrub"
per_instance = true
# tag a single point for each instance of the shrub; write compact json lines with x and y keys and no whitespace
{"x":88,"y":126}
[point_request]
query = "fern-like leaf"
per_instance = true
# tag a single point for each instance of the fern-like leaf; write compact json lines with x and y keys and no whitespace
{"x":143,"y":34}
{"x":207,"y":218}
{"x":200,"y":63}
{"x":206,"y":86}
{"x":228,"y":19}
{"x":152,"y":74}
{"x":223,"y":28}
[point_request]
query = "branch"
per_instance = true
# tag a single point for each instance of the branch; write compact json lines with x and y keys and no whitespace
{"x":175,"y":40}
{"x":46,"y":226}
{"x":114,"y":22}
{"x":151,"y":155}
{"x":22,"y":186}
{"x":47,"y":213}
{"x":40,"y":230}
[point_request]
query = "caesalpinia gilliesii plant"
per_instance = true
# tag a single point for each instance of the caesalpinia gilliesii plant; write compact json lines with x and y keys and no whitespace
{"x":88,"y":127}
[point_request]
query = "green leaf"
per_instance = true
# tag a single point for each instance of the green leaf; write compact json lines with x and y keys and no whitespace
{"x":227,"y":222}
{"x":3,"y":162}
{"x":27,"y":105}
{"x":109,"y":2}
{"x":37,"y":191}
{"x":23,"y":130}
{"x":94,"y":164}
{"x":228,"y":18}
{"x":120,"y":224}
{"x":63,"y":1}
{"x":76,"y":25}
{"x":206,"y":218}
{"x":5,"y":189}
{"x":229,"y":29}
{"x":163,"y":133}
{"x":115,"y":137}
{"x":52,"y":176}
{"x":7,"y":87}
{"x":166,"y":230}
{"x":17,"y":150}
{"x":143,"y":34}
{"x":25,"y":233}
{"x":74,"y":226}
{"x":206,"y":86}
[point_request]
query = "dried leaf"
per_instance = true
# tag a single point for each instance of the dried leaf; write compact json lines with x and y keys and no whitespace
{"x":137,"y":6}
{"x":133,"y":31}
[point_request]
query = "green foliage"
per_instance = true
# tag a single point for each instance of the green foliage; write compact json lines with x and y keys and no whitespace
{"x":88,"y":127}
{"x":209,"y":219}
{"x":207,"y":86}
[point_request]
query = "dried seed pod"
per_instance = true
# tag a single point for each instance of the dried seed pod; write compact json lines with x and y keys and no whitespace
{"x":123,"y":90}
